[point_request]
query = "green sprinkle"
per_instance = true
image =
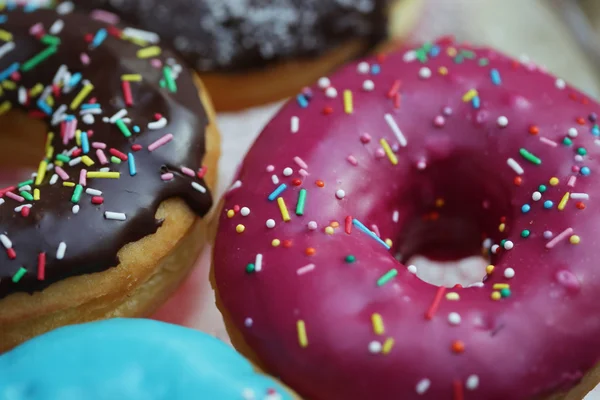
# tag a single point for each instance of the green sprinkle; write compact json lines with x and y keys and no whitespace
{"x":51,"y":40}
{"x":19,"y":274}
{"x":123,"y":128}
{"x":250,"y":268}
{"x":542,"y":188}
{"x":171,"y":85}
{"x":350,"y":258}
{"x":77,"y":194}
{"x":525,"y":233}
{"x":421,"y":55}
{"x":63,"y":158}
{"x":427,"y":46}
{"x":38,"y":58}
{"x":459,"y":59}
{"x":27,"y":196}
{"x":115,"y":160}
{"x":532,"y":158}
{"x":567,"y":141}
{"x":468,"y":54}
{"x":581,"y":151}
{"x":162,"y":84}
{"x":301,"y":202}
{"x":483,"y":62}
{"x":24,"y":183}
{"x":505,"y":292}
{"x":502,"y":242}
{"x":388,"y":276}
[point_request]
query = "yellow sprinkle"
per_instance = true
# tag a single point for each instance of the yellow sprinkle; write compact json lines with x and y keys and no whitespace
{"x":283,"y":209}
{"x":59,"y":163}
{"x":489,"y":269}
{"x":5,"y":107}
{"x":451,"y":51}
{"x":78,"y":137}
{"x":348,"y":107}
{"x":275,"y":242}
{"x":501,"y":227}
{"x":240,"y":228}
{"x":230,"y":213}
{"x":36,"y":194}
{"x":49,"y":152}
{"x":9,"y":85}
{"x":496,"y":296}
{"x":50,"y":101}
{"x":41,"y":172}
{"x":469,"y":95}
{"x":574,"y":239}
{"x":329,"y":230}
{"x":100,"y":174}
{"x":139,"y":42}
{"x":37,"y":89}
{"x":5,"y":35}
{"x":443,"y":71}
{"x":439,"y":203}
{"x":68,"y":184}
{"x":377,"y":321}
{"x":452,"y":296}
{"x":499,"y":286}
{"x":81,"y":95}
{"x":148,"y":52}
{"x":388,"y":151}
{"x":49,"y":138}
{"x":387,"y":345}
{"x":302,"y":338}
{"x":389,"y":242}
{"x":563,"y":201}
{"x":131,"y":77}
{"x":554,"y":181}
{"x":87,"y":161}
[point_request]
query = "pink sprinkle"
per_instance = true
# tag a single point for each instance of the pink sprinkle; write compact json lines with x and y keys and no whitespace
{"x":166,"y":177}
{"x":101,"y":157}
{"x":375,"y":230}
{"x":270,"y":168}
{"x":105,"y":16}
{"x":85,"y":59}
{"x":352,"y":160}
{"x":161,"y":142}
{"x":188,"y":172}
{"x":379,"y":153}
{"x":365,"y":138}
{"x":61,"y":172}
{"x":548,"y":141}
{"x":561,"y":236}
{"x":82,"y":177}
{"x":305,"y":269}
{"x":303,"y":172}
{"x":156,"y":63}
{"x":13,"y":196}
{"x":300,"y":162}
{"x":36,"y":29}
{"x":98,"y":145}
{"x":572,"y":181}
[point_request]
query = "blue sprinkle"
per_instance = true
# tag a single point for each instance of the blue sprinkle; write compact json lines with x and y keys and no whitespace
{"x":585,"y":171}
{"x":435,"y":51}
{"x":369,"y":232}
{"x":99,"y":37}
{"x":136,"y":129}
{"x":11,"y":5}
{"x":69,"y":117}
{"x":375,"y":69}
{"x":88,"y":106}
{"x":3,"y":19}
{"x":596,"y":130}
{"x":30,"y":8}
{"x":525,"y":208}
{"x":548,"y":204}
{"x":476,"y":102}
{"x":85,"y":144}
{"x":75,"y":78}
{"x":14,"y":67}
{"x":131,"y":163}
{"x":302,"y":101}
{"x":42,"y":105}
{"x":495,"y":75}
{"x":277,"y":192}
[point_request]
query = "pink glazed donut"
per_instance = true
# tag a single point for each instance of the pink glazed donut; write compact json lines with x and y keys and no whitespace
{"x":443,"y":150}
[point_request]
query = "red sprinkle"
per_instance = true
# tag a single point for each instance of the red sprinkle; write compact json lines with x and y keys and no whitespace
{"x":201,"y":172}
{"x":458,"y":390}
{"x":136,"y":147}
{"x":394,"y":89}
{"x":12,"y":254}
{"x":397,"y":100}
{"x":287,"y":243}
{"x":88,"y":37}
{"x":296,"y":182}
{"x":534,"y":130}
{"x":458,"y":346}
{"x":580,"y":121}
{"x":7,"y":189}
{"x":114,"y":31}
{"x":580,"y":205}
{"x":157,"y":116}
{"x":77,"y":152}
{"x":127,"y":93}
{"x":320,"y":183}
{"x":41,"y":270}
{"x":436,"y":303}
{"x":327,"y":110}
{"x":97,"y":200}
{"x":25,"y":211}
{"x":118,"y":154}
{"x":348,"y":224}
{"x":236,"y":208}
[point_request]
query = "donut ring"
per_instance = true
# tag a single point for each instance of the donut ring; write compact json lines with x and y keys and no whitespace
{"x":112,"y":222}
{"x":301,"y":260}
{"x":111,"y":360}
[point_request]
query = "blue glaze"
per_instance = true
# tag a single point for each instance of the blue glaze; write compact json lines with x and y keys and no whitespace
{"x":130,"y":359}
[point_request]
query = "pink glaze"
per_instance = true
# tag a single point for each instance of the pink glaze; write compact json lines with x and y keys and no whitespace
{"x":452,"y":187}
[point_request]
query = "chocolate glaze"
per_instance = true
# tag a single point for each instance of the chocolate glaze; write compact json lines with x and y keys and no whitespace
{"x":93,"y":241}
{"x":233,"y":35}
{"x":543,"y":337}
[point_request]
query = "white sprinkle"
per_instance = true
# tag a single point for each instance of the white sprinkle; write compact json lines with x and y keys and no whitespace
{"x":300,"y":162}
{"x":487,"y":243}
{"x":237,"y":184}
{"x":508,"y":245}
{"x":424,"y":73}
{"x":305,"y":269}
{"x":502,"y":121}
{"x":56,"y":27}
{"x":6,"y":242}
{"x":515,"y":166}
{"x":75,"y":209}
{"x":394,"y":127}
{"x":288,"y":171}
{"x":423,"y":386}
{"x":547,"y":235}
{"x":374,"y":347}
{"x":409,"y":56}
{"x":75,"y":161}
{"x":60,"y":73}
{"x":303,"y":172}
{"x":340,"y":194}
{"x":198,"y":187}
{"x":536,"y":196}
{"x":118,"y":115}
{"x":93,"y":192}
{"x":412,"y":269}
{"x":22,"y":95}
{"x":258,"y":263}
{"x":65,"y":8}
{"x":25,"y":188}
{"x":2,"y":201}
{"x":275,"y":179}
{"x":454,"y":318}
{"x":105,"y":169}
{"x":270,"y":168}
{"x":140,"y":34}
{"x":324,"y":82}
{"x":331,"y":92}
{"x":578,"y":158}
{"x":294,"y":124}
{"x":115,"y":215}
{"x":477,"y":284}
{"x":580,"y":196}
{"x":509,"y":273}
{"x":472,"y":382}
{"x":368,"y":85}
{"x":248,"y":394}
{"x":270,"y":223}
{"x":312,"y":225}
{"x":548,"y":141}
{"x":248,"y":322}
{"x":245,"y":211}
{"x":88,"y":119}
{"x":363,"y":67}
{"x":559,"y":237}
{"x":572,"y":180}
{"x":572,"y":132}
{"x":53,"y":179}
{"x":395,"y":216}
{"x":494,"y":249}
{"x":19,"y":208}
{"x":6,"y":48}
{"x":560,"y":84}
{"x":62,"y":248}
{"x":161,"y":123}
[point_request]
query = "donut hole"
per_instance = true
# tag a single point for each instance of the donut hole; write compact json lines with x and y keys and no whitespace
{"x":458,"y":209}
{"x":22,"y":146}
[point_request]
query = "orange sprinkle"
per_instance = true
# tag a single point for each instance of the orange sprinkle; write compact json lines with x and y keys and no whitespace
{"x":320,"y":183}
{"x":580,"y":205}
{"x":518,"y":180}
{"x":580,"y":121}
{"x":310,"y":251}
{"x":534,"y":130}
{"x":335,"y":224}
{"x":585,"y":100}
{"x":458,"y":346}
{"x":327,"y":110}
